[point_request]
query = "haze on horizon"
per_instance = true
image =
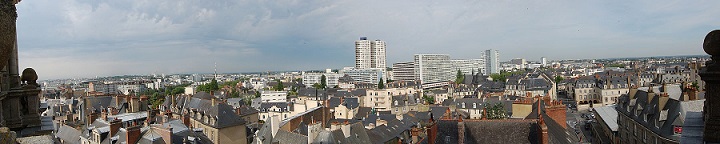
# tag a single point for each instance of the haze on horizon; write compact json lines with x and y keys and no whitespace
{"x":83,"y":38}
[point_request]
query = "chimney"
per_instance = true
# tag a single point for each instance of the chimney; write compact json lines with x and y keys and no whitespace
{"x":186,"y":120}
{"x":213,"y":101}
{"x":165,"y":133}
{"x":632,"y":92}
{"x":461,"y":130}
{"x":484,"y":115}
{"x":133,"y":134}
{"x":118,"y":100}
{"x":91,"y":118}
{"x":115,"y":126}
{"x":415,"y":132}
{"x":104,"y":114}
{"x":692,"y":95}
{"x":662,"y":100}
{"x":650,"y":94}
{"x":664,"y":88}
{"x":172,"y":98}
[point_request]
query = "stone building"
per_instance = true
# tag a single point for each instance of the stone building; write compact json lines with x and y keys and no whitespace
{"x":218,"y":120}
{"x":19,"y":95}
{"x":655,"y":115}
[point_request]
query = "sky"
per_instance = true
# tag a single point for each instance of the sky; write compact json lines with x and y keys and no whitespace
{"x":88,"y":38}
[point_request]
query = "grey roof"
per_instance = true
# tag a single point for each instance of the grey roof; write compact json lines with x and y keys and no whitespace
{"x":647,"y":113}
{"x":609,"y":116}
{"x":286,"y":137}
{"x":225,"y":114}
{"x":467,"y":103}
{"x":284,"y":106}
{"x":514,"y":131}
{"x":203,"y":95}
{"x":324,"y":137}
{"x":68,"y":134}
{"x":357,"y":134}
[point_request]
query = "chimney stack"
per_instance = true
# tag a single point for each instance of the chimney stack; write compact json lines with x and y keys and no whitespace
{"x":662,"y":100}
{"x":115,"y":126}
{"x":133,"y":134}
{"x":213,"y":101}
{"x":633,"y":91}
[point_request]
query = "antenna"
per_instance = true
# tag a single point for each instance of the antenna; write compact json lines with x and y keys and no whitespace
{"x":215,"y":71}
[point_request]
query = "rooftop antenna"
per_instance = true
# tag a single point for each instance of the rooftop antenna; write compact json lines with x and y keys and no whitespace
{"x":215,"y":71}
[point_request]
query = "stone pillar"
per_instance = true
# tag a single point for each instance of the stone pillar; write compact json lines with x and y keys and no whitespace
{"x":711,"y":75}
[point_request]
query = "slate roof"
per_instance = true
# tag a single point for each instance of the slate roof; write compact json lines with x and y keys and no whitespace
{"x":286,"y":137}
{"x":640,"y":108}
{"x":225,"y":114}
{"x":68,"y":134}
{"x":502,"y":131}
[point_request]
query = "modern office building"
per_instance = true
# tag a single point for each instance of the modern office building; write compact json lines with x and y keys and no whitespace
{"x":433,"y":70}
{"x":331,"y":79}
{"x":543,"y":61}
{"x":368,"y":75}
{"x":468,"y":66}
{"x":492,"y":61}
{"x":369,"y":54}
{"x":404,"y":71}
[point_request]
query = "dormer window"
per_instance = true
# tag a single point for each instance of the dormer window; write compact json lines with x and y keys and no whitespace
{"x":474,"y":105}
{"x":463,"y":105}
{"x":396,"y":102}
{"x":677,"y":129}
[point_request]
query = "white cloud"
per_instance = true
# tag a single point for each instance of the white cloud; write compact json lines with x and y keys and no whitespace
{"x":179,"y":36}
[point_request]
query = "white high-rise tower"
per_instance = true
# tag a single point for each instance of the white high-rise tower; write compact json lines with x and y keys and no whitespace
{"x":369,"y":54}
{"x":492,"y":61}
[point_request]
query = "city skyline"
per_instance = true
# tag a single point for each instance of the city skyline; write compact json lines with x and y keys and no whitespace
{"x":71,"y":39}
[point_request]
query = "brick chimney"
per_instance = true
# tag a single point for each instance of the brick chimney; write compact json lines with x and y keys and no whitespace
{"x":92,"y":117}
{"x":165,"y":133}
{"x":632,"y":92}
{"x":133,"y":134}
{"x":186,"y":120}
{"x":104,"y":114}
{"x":662,"y":100}
{"x":115,"y":126}
{"x":484,"y":115}
{"x":650,"y":94}
{"x":461,"y":130}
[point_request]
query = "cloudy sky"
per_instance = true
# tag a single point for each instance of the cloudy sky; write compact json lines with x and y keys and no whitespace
{"x":88,"y":38}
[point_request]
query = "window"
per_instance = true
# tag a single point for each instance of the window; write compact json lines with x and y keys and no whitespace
{"x":474,"y":105}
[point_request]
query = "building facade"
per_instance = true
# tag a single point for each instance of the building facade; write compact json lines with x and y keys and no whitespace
{"x":492,"y":61}
{"x":404,"y":71}
{"x":433,"y":70}
{"x":369,"y":54}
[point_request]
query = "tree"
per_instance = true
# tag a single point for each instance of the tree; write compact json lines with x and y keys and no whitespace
{"x":381,"y":85}
{"x":279,"y":86}
{"x":257,"y":94}
{"x":459,"y":78}
{"x":495,"y":111}
{"x":429,"y":99}
{"x":323,"y":81}
{"x":558,"y":79}
{"x":177,"y":90}
{"x":214,"y":85}
{"x":317,"y":86}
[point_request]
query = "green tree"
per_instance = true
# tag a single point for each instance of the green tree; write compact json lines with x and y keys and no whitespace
{"x":459,"y":78}
{"x":177,"y":90}
{"x":429,"y":99}
{"x":257,"y":94}
{"x":495,"y":111}
{"x":558,"y":79}
{"x":214,"y":85}
{"x":317,"y":86}
{"x":323,"y":81}
{"x":381,"y":85}
{"x":279,"y":86}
